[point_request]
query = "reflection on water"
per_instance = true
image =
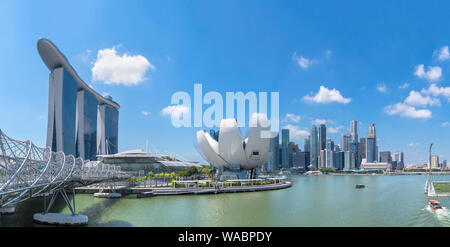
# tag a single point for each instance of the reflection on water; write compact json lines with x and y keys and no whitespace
{"x":311,"y":201}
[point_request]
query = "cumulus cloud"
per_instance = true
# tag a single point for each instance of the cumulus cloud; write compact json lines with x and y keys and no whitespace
{"x":303,"y":62}
{"x":443,"y":53}
{"x":145,"y":113}
{"x":326,"y":95}
{"x":113,"y":68}
{"x":434,"y":90}
{"x":407,"y":111}
{"x":446,"y":124}
{"x":382,"y":88}
{"x":334,"y":129}
{"x":319,"y":121}
{"x":403,"y":86}
{"x":434,"y":73}
{"x":417,"y":99}
{"x":175,"y":111}
{"x":295,"y":132}
{"x":292,"y":118}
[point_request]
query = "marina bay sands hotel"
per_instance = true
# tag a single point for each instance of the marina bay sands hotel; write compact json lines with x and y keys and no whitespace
{"x":81,"y":122}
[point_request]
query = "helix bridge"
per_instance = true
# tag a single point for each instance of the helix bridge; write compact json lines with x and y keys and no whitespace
{"x":28,"y":171}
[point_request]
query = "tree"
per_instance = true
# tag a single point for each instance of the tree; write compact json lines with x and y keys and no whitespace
{"x":149,"y":177}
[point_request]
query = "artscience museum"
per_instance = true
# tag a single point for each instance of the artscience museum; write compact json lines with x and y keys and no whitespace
{"x":233,"y":155}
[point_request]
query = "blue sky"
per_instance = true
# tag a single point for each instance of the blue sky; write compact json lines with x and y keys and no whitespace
{"x":374,"y":54}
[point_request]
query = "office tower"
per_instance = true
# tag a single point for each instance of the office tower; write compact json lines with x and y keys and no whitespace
{"x":323,"y":158}
{"x":338,"y":158}
{"x":284,"y":148}
{"x":370,"y":150}
{"x":353,"y":147}
{"x":322,"y":137}
{"x":385,"y":157}
{"x":307,"y":145}
{"x":314,"y":148}
{"x":354,"y":130}
{"x":329,"y":153}
{"x":349,"y":160}
{"x":303,"y":160}
{"x":292,"y":151}
{"x":274,"y":145}
{"x":434,"y":161}
{"x":373,"y":134}
{"x":80,"y":121}
{"x":345,"y":141}
{"x":399,"y":158}
{"x":362,"y":148}
{"x":444,"y":164}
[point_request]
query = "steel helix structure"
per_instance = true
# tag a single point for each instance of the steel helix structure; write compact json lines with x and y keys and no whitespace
{"x":27,"y":171}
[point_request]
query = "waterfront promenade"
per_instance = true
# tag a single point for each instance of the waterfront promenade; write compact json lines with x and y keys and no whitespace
{"x":126,"y":190}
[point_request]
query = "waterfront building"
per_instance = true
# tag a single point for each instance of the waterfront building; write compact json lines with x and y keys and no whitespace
{"x":322,"y":136}
{"x":274,"y":145}
{"x":139,"y":162}
{"x":353,"y":147}
{"x":373,"y":148}
{"x":229,"y":154}
{"x":303,"y":159}
{"x":399,"y":157}
{"x":370,"y":150}
{"x":338,"y":160}
{"x":385,"y":157}
{"x":314,"y":148}
{"x":307,"y":144}
{"x":285,"y":148}
{"x":329,"y":153}
{"x":373,"y":166}
{"x":81,"y":122}
{"x":345,"y":141}
{"x":349,"y":160}
{"x":434,"y":161}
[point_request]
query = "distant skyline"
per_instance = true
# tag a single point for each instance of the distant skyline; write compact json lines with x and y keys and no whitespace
{"x":385,"y":63}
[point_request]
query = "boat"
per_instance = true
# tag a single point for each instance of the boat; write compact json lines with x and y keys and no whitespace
{"x":435,"y":204}
{"x":145,"y":194}
{"x":360,"y":186}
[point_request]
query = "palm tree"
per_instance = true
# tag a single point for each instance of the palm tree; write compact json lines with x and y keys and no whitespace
{"x":149,"y":177}
{"x":166,"y":177}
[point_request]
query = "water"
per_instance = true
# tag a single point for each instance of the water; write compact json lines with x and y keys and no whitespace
{"x":312,"y":201}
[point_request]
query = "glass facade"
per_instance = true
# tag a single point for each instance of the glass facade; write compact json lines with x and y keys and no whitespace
{"x":314,"y":148}
{"x":86,"y":142}
{"x":284,"y":148}
{"x":107,"y":129}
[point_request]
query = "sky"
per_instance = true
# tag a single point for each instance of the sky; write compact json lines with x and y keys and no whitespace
{"x":383,"y":62}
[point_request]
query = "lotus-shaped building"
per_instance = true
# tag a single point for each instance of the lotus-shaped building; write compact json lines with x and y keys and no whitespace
{"x":231,"y":150}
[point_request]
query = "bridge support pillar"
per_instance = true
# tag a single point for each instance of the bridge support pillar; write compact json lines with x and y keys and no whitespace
{"x":7,"y":210}
{"x":60,"y":219}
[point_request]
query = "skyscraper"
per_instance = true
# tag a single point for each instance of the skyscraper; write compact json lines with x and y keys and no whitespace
{"x":434,"y":161}
{"x":307,"y":144}
{"x":373,"y":146}
{"x":370,"y":150}
{"x":284,"y":148}
{"x":329,"y":154}
{"x":274,"y":145}
{"x":314,"y":148}
{"x":322,"y":136}
{"x":345,"y":141}
{"x":362,"y":148}
{"x":354,"y":130}
{"x":385,"y":157}
{"x":399,"y":158}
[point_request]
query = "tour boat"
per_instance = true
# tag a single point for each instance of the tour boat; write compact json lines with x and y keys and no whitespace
{"x":145,"y":194}
{"x":435,"y":205}
{"x":360,"y":186}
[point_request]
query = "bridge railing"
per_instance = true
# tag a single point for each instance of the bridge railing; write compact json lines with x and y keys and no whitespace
{"x":29,"y":171}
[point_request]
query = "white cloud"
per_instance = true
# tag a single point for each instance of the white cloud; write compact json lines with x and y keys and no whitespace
{"x":120,"y":69}
{"x":295,"y":132}
{"x":416,"y":99}
{"x":407,"y":111}
{"x":437,"y":91}
{"x":413,"y":144}
{"x":319,"y":121}
{"x":334,"y":130}
{"x":175,"y":111}
{"x":433,"y":73}
{"x":292,"y":117}
{"x":326,"y":95}
{"x":382,"y":88}
{"x":446,"y":124}
{"x":303,"y":62}
{"x":443,"y":53}
{"x":145,"y":113}
{"x":328,"y":53}
{"x":405,"y":85}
